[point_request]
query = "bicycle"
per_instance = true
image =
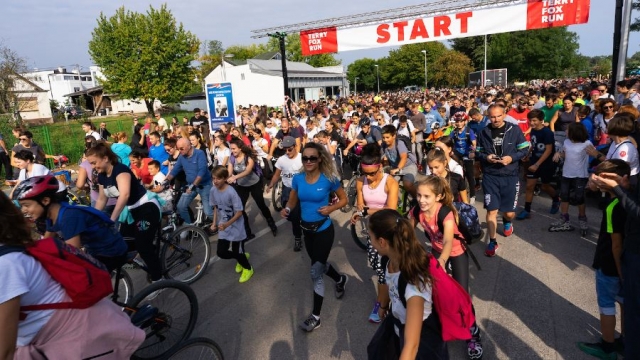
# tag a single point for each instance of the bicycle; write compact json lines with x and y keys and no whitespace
{"x":196,"y":349}
{"x":359,"y":232}
{"x":276,"y":191}
{"x":350,"y":190}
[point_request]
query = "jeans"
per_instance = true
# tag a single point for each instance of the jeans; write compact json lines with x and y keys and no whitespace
{"x":419,"y":145}
{"x":186,"y":199}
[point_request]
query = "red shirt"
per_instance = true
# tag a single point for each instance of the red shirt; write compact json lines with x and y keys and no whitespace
{"x":523,"y":122}
{"x":143,"y":172}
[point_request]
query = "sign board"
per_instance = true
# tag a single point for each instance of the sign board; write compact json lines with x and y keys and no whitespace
{"x":489,"y":78}
{"x":527,"y":15}
{"x":220,"y":103}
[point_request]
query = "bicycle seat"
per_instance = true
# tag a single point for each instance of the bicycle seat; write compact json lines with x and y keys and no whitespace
{"x":167,"y":213}
{"x":131,"y":255}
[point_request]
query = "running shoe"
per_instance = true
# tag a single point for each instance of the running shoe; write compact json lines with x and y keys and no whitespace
{"x":474,"y":349}
{"x":584,"y":225}
{"x":561,"y":224}
{"x":472,"y":201}
{"x":491,"y":249}
{"x":246,"y":275}
{"x":508,"y":229}
{"x":239,"y":267}
{"x":524,"y":214}
{"x":340,"y":286}
{"x":555,"y":207}
{"x":596,"y":349}
{"x":297,"y":245}
{"x":310,"y":324}
{"x":618,"y":344}
{"x":374,"y":317}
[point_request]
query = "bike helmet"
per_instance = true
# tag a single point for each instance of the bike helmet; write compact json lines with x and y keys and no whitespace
{"x":364,"y":122}
{"x":460,"y":115}
{"x":36,"y":188}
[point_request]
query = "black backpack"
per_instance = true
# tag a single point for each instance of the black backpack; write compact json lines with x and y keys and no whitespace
{"x":405,"y":139}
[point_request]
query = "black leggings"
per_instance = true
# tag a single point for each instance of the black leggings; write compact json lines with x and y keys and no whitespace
{"x":5,"y":162}
{"x":146,"y":222}
{"x":255,"y":191}
{"x":294,"y":215}
{"x":468,"y":168}
{"x":236,"y":252}
{"x":458,"y":268}
{"x":318,"y":245}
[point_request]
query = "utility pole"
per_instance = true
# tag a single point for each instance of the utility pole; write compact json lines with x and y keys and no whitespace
{"x":285,"y":78}
{"x":355,"y":88}
{"x":378,"y":76}
{"x":425,"y":69}
{"x":620,"y":40}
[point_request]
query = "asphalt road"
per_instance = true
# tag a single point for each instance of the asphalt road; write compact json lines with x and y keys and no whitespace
{"x":534,"y":300}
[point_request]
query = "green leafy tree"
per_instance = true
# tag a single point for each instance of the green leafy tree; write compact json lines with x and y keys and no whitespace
{"x":244,"y":52}
{"x":405,"y":66}
{"x":365,"y":71}
{"x":144,"y":56}
{"x":293,"y":50}
{"x":11,"y":63}
{"x":452,"y":69}
{"x":635,"y":25}
{"x":473,"y":48}
{"x":210,"y":58}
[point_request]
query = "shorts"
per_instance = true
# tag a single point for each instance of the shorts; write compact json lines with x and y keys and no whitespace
{"x":608,"y":292}
{"x":545,"y":173}
{"x":572,"y":190}
{"x":500,"y":192}
{"x":409,"y":173}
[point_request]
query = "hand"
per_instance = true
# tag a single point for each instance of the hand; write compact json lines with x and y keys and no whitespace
{"x":557,"y":157}
{"x":284,"y":213}
{"x":492,"y":159}
{"x":607,"y":181}
{"x":269,"y":186}
{"x":354,"y":218}
{"x":472,"y":155}
{"x":394,"y":171}
{"x":214,"y":228}
{"x":345,"y":152}
{"x":506,"y":160}
{"x":442,"y":263}
{"x":592,"y":151}
{"x":221,"y":227}
{"x":231,"y":179}
{"x":325,"y":210}
{"x":269,"y":157}
{"x":382,"y":313}
{"x":533,"y":168}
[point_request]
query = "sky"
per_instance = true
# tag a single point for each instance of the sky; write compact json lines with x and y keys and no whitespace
{"x":56,"y":33}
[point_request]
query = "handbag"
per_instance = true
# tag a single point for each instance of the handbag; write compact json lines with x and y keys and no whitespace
{"x":312,"y":226}
{"x":385,"y":344}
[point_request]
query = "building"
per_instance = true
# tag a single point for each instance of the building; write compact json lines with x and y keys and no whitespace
{"x":32,"y":101}
{"x":61,"y":81}
{"x":259,"y":80}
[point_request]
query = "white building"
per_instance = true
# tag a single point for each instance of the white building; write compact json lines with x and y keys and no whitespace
{"x":257,"y":81}
{"x":62,"y":81}
{"x":32,"y":101}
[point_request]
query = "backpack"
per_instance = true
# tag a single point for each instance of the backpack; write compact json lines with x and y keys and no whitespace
{"x":85,"y":279}
{"x":256,"y":167}
{"x":451,"y":302}
{"x":88,"y":209}
{"x":469,"y":215}
{"x":405,"y":139}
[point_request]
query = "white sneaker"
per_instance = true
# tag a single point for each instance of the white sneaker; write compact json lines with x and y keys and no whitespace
{"x":472,"y":200}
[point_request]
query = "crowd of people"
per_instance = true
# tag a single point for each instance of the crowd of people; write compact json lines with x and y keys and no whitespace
{"x":442,"y":147}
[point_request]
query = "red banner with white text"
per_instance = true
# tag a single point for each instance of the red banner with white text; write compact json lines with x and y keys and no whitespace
{"x":534,"y":14}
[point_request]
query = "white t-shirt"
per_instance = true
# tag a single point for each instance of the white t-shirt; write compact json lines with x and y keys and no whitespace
{"x":406,"y":131}
{"x":576,"y":159}
{"x":94,"y":134}
{"x":311,"y":133}
{"x":399,"y":311}
{"x":162,"y":122}
{"x":627,"y":152}
{"x":272,"y":131}
{"x":39,"y":170}
{"x":23,"y":276}
{"x":453,"y":167}
{"x":257,"y":146}
{"x":289,"y":167}
{"x":221,"y":154}
{"x":165,"y":195}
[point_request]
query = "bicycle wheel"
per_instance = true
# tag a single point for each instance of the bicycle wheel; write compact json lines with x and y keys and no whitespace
{"x":403,"y":201}
{"x":167,"y":311}
{"x":351,"y":195}
{"x":196,"y":349}
{"x":125,"y":286}
{"x":276,"y":196}
{"x":185,"y":255}
{"x":359,"y":234}
{"x":78,"y":197}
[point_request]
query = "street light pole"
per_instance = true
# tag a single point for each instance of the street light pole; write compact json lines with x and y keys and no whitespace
{"x":378,"y":76}
{"x":355,"y":88}
{"x":425,"y":69}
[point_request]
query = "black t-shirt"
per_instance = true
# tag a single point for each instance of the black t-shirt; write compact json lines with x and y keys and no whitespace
{"x":374,"y":135}
{"x":453,"y":110}
{"x":292,"y":132}
{"x":197,"y":121}
{"x":539,"y":140}
{"x":497,"y":135}
{"x":613,"y":222}
{"x":181,"y":177}
{"x":135,"y":144}
{"x":457,"y":184}
{"x":111,"y":185}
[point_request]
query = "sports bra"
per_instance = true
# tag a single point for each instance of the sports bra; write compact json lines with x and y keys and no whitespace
{"x":375,"y":198}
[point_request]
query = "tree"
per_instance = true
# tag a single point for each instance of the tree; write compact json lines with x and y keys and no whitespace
{"x":405,"y":66}
{"x":365,"y":71}
{"x":473,"y":48}
{"x":293,"y":50}
{"x":144,"y":56}
{"x":210,"y":58}
{"x":635,"y":25}
{"x":244,"y":52}
{"x":10,"y":64}
{"x":452,"y":68}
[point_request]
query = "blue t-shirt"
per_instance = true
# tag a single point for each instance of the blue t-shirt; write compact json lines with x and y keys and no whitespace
{"x":314,"y":196}
{"x":539,"y":140}
{"x":432,"y":117}
{"x":477,"y":126}
{"x":158,"y":153}
{"x":462,"y":140}
{"x":98,"y":237}
{"x":588,"y":123}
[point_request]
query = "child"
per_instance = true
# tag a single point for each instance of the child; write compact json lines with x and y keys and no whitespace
{"x":622,"y":147}
{"x":574,"y":176}
{"x":437,"y":162}
{"x":541,"y":165}
{"x":433,"y":193}
{"x":393,"y":236}
{"x":465,"y":144}
{"x":227,"y":214}
{"x":401,"y":160}
{"x":157,"y":187}
{"x":607,"y":262}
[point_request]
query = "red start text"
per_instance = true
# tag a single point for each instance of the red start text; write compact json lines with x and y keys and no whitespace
{"x":418,"y":30}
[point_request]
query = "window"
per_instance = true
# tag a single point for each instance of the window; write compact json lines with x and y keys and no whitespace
{"x":68,"y":77}
{"x":76,"y":89}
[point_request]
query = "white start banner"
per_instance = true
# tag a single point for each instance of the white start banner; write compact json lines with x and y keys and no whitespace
{"x":530,"y":15}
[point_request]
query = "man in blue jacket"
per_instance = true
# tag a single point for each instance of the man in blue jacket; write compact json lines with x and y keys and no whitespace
{"x":501,"y":146}
{"x":194,"y":163}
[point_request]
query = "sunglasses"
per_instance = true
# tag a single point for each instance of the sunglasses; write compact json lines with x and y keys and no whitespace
{"x":607,"y":107}
{"x":269,"y":123}
{"x":311,"y":159}
{"x":370,"y":173}
{"x":290,"y":148}
{"x":532,"y":104}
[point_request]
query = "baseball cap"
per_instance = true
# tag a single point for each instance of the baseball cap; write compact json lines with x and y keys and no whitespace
{"x":597,"y":92}
{"x":288,"y":141}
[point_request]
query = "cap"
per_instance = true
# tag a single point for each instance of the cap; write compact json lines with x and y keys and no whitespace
{"x":288,"y":141}
{"x":595,"y":91}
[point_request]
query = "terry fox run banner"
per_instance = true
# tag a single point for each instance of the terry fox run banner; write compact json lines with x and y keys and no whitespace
{"x":530,"y":15}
